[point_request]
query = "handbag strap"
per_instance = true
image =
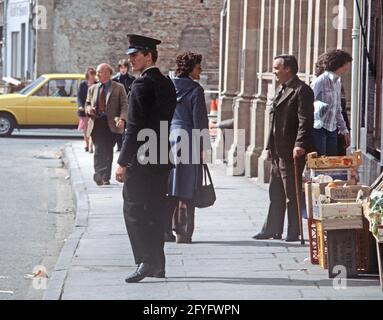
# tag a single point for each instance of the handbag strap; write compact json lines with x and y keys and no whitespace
{"x":207,"y":172}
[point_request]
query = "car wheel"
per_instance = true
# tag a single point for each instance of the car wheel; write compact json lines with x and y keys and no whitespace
{"x":7,"y":124}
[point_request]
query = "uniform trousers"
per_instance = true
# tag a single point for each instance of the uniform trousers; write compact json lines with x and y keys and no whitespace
{"x":145,"y":208}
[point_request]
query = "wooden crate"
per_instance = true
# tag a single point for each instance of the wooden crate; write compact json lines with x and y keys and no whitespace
{"x":341,"y":251}
{"x":365,"y":246}
{"x":313,"y":241}
{"x":321,"y":238}
{"x":338,"y":162}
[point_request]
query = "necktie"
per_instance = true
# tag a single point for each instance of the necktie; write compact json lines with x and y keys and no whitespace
{"x":102,"y":100}
{"x":280,"y":93}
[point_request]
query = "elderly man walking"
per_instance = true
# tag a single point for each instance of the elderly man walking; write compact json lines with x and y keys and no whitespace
{"x":107,"y":106}
{"x":289,"y":139}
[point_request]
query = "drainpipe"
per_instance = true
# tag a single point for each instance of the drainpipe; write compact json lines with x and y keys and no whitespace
{"x":355,"y":111}
{"x":5,"y":46}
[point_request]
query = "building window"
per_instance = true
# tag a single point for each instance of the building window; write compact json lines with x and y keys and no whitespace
{"x":374,"y":82}
{"x":23,"y":45}
{"x":15,"y":54}
{"x":1,"y":45}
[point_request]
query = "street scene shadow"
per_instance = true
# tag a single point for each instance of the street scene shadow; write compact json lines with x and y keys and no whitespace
{"x":44,"y":137}
{"x":259,"y":243}
{"x":374,"y":282}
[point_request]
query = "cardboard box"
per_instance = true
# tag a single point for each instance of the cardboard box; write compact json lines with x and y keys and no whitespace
{"x":346,"y":193}
{"x":340,"y":210}
{"x":380,"y":234}
{"x":308,"y":198}
{"x":319,"y":188}
{"x":342,"y":224}
{"x":366,"y":209}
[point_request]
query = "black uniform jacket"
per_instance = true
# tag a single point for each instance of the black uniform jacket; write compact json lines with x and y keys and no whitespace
{"x":152,"y":100}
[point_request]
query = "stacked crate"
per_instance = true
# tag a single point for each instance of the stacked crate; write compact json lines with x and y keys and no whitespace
{"x":334,"y":217}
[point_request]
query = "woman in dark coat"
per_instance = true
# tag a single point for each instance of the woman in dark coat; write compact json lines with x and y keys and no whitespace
{"x":82,"y":93}
{"x":190,"y":113}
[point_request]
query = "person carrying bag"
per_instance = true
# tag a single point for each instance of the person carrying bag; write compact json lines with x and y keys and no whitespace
{"x":190,"y":116}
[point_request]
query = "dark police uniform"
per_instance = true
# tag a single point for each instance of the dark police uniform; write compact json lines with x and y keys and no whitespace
{"x":152,"y":100}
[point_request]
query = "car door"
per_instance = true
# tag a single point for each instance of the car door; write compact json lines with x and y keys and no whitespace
{"x":54,"y":104}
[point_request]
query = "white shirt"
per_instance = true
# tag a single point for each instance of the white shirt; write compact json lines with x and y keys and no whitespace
{"x":327,"y":105}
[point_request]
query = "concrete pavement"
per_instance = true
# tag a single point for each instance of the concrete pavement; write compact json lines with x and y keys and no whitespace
{"x":223,"y":262}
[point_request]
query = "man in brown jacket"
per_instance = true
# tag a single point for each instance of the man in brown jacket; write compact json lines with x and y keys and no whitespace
{"x":107,"y":106}
{"x":289,"y":138}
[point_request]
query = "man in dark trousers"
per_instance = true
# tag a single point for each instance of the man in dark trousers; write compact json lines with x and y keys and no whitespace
{"x":106,"y":104}
{"x":289,"y":138}
{"x":126,"y":80}
{"x":152,"y":100}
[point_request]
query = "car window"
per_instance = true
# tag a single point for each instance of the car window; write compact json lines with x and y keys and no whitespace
{"x":32,"y":85}
{"x":62,"y":88}
{"x":42,"y":92}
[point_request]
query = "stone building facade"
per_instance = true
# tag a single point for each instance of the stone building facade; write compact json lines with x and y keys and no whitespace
{"x":254,"y":32}
{"x":70,"y":35}
{"x":368,"y":87}
{"x":87,"y":32}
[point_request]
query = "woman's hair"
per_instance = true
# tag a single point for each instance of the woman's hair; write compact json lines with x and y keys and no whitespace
{"x":90,"y":70}
{"x":320,"y":65}
{"x":186,"y":63}
{"x":332,"y":61}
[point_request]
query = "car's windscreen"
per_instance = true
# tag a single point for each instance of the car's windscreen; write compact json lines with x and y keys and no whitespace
{"x":31,"y":86}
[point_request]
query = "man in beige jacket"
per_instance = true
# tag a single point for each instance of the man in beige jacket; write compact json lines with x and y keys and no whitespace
{"x":107,"y":106}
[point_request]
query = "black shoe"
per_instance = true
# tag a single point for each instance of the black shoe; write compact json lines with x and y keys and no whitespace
{"x":143,"y":270}
{"x":160,"y":273}
{"x":292,"y":239}
{"x":98,"y":179}
{"x":106,"y":183}
{"x":266,"y":236}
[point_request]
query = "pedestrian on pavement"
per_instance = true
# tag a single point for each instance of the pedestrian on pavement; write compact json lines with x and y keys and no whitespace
{"x":190,"y":113}
{"x":126,"y":79}
{"x":152,"y":101}
{"x":107,"y":106}
{"x":321,"y":66}
{"x":289,"y":138}
{"x":328,"y":118}
{"x":90,"y":76}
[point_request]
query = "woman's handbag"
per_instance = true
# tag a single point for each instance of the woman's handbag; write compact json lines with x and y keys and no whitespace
{"x":204,"y":193}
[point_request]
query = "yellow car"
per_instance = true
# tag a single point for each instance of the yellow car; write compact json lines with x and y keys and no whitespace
{"x":48,"y":102}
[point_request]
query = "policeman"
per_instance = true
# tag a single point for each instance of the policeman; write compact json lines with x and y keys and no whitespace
{"x":152,"y":100}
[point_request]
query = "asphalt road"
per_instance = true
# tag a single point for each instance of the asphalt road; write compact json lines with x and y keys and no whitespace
{"x":36,"y":208}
